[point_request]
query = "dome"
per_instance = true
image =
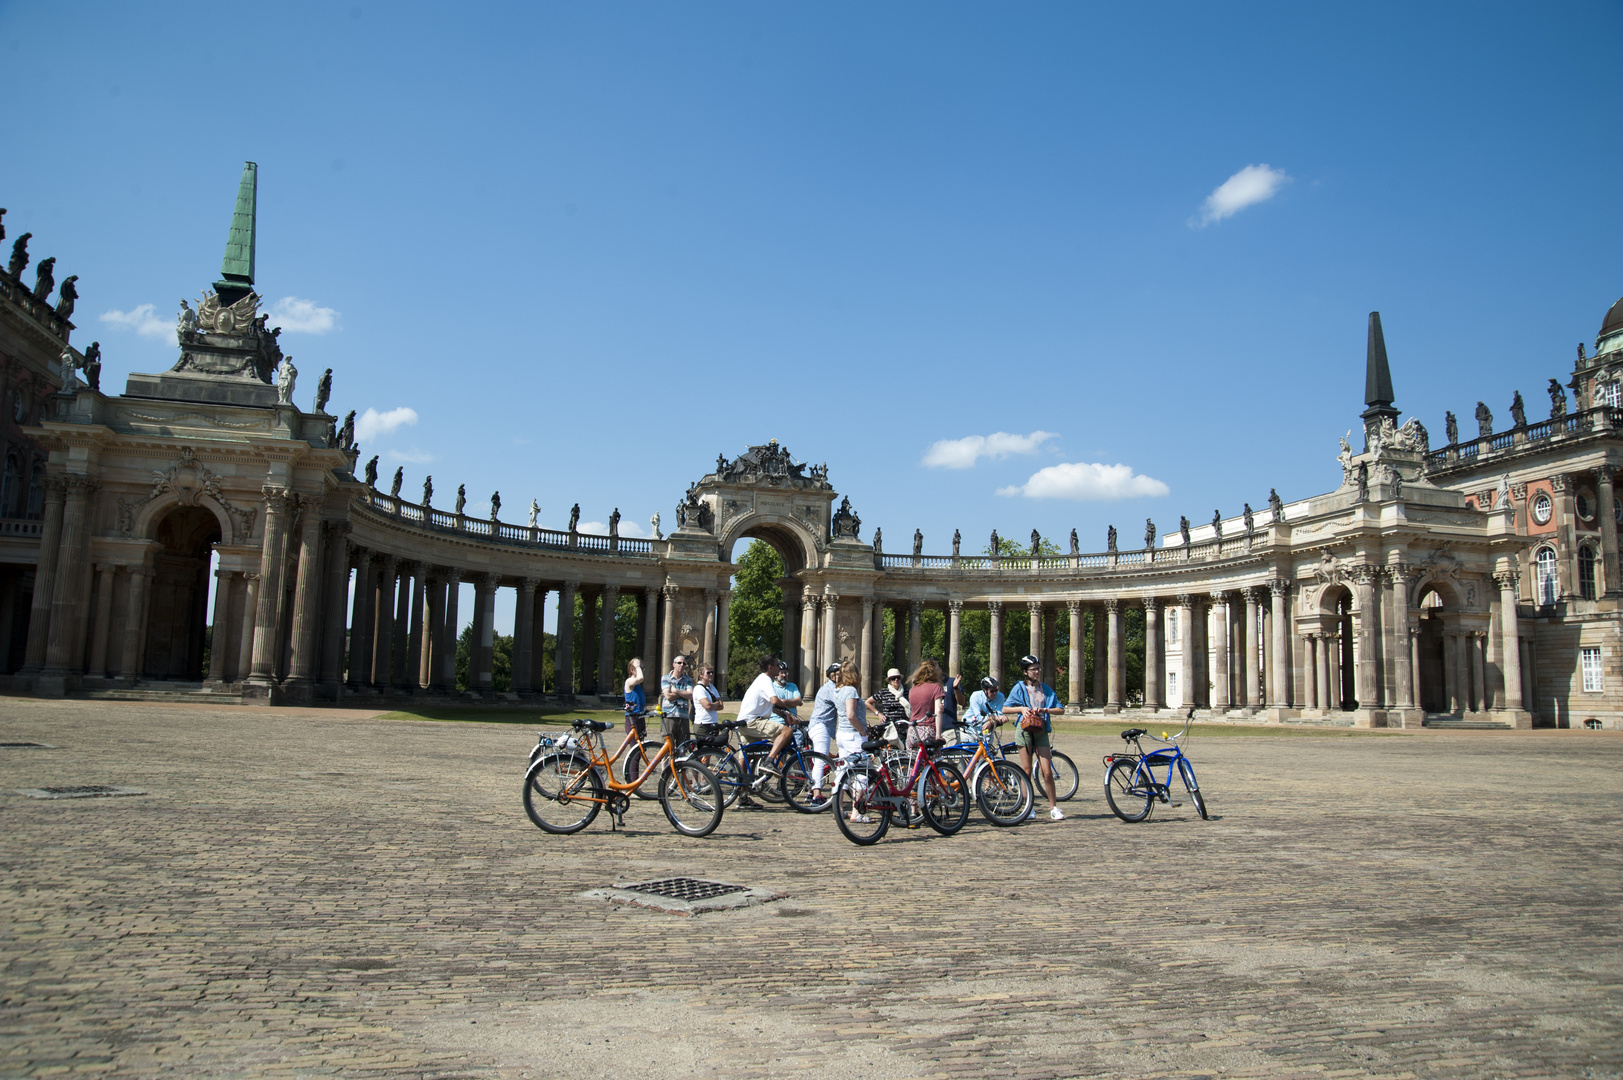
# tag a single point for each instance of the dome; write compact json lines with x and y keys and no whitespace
{"x":1614,"y":320}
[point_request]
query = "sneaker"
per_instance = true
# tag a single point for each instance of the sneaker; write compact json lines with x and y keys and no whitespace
{"x":747,"y":803}
{"x":1056,"y":814}
{"x":1033,"y":815}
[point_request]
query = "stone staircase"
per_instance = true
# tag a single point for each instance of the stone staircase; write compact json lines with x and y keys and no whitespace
{"x":1451,"y":723}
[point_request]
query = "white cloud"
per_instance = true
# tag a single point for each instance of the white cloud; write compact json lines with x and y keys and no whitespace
{"x":1251,"y":185}
{"x":600,"y":528}
{"x":963,"y":453}
{"x":371,"y":423}
{"x":410,"y":457}
{"x":298,"y":316}
{"x":143,"y":320}
{"x":1086,"y":481}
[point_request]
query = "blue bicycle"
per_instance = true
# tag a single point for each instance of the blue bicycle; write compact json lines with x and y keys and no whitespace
{"x":1132,"y":784}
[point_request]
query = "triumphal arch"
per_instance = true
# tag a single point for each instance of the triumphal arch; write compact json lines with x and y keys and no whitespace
{"x":1473,"y":583}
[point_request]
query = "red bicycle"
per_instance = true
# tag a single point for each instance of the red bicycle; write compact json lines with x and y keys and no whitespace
{"x":866,"y":793}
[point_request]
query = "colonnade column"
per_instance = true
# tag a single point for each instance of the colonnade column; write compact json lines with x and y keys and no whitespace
{"x":588,"y":641}
{"x":383,"y":616}
{"x":50,"y":548}
{"x":1479,"y":651}
{"x":668,"y":636}
{"x":994,"y":663}
{"x":1034,"y":631}
{"x":1073,"y":662}
{"x":219,"y":632}
{"x":1220,"y":655}
{"x":1186,"y":658}
{"x":1100,"y":657}
{"x":563,"y":660}
{"x":97,"y":665}
{"x":1118,"y":669}
{"x":267,"y":621}
{"x":830,"y":627}
{"x":360,"y":622}
{"x":306,"y":593}
{"x":724,"y":635}
{"x":484,"y":632}
{"x":790,"y":636}
{"x":655,"y":661}
{"x":1153,"y":698}
{"x":1369,"y":652}
{"x":433,"y":629}
{"x":808,"y":638}
{"x":1253,"y":669}
{"x":538,"y":638}
{"x":1280,"y":661}
{"x":523,"y":636}
{"x":707,"y":651}
{"x":449,"y":630}
{"x":402,"y":626}
{"x":955,"y":624}
{"x":412,"y":678}
{"x":867,"y":643}
{"x":1608,"y":528}
{"x":245,"y":639}
{"x":915,"y":635}
{"x":1050,"y":645}
{"x":1402,"y":674}
{"x":135,"y":623}
{"x":1451,"y":674}
{"x":336,"y":561}
{"x":66,"y":639}
{"x":609,"y":680}
{"x":1510,"y":632}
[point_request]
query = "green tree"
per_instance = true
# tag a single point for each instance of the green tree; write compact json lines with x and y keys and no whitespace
{"x":501,"y":660}
{"x":755,"y":621}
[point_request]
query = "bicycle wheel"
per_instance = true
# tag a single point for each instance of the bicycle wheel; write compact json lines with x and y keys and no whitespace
{"x":691,"y":796}
{"x":633,"y":766}
{"x":1003,"y":792}
{"x":558,"y":797}
{"x":1066,"y":778}
{"x":1193,"y":786}
{"x":944,"y":798}
{"x":1127,"y":791}
{"x":723,"y":762}
{"x":795,"y":785}
{"x":851,"y":799}
{"x":766,"y":785}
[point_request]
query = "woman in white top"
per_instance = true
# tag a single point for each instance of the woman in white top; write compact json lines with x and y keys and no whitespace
{"x":852,"y":727}
{"x":706,"y":698}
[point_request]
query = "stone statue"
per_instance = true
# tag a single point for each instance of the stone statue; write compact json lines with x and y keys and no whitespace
{"x":186,"y":321}
{"x":346,"y":434}
{"x":721,"y":464}
{"x":879,"y":541}
{"x":1363,"y":481}
{"x":997,"y":546}
{"x":1110,"y":539}
{"x":918,"y":542}
{"x":19,"y":256}
{"x":428,"y":490}
{"x":2,"y":223}
{"x":1217,"y":523}
{"x":1484,"y":420}
{"x":286,"y":375}
{"x":957,"y":539}
{"x":1518,"y":412}
{"x":1580,"y":344}
{"x":399,"y":476}
{"x":1183,"y":529}
{"x":614,"y":522}
{"x":92,"y":366}
{"x":574,"y":517}
{"x":323,"y":390}
{"x":845,"y":523}
{"x":1397,"y":482}
{"x":372,"y":472}
{"x":535,"y":512}
{"x":653,"y":523}
{"x":461,"y":497}
{"x":1250,"y":521}
{"x":1451,"y":428}
{"x":705,"y":516}
{"x":1344,"y":458}
{"x":495,"y":505}
{"x":1036,"y":543}
{"x":1276,"y":507}
{"x":44,"y":278}
{"x":1501,"y":497}
{"x":1558,"y":399}
{"x":69,"y":383}
{"x":67,"y":297}
{"x":1149,"y":534}
{"x":1075,"y":545}
{"x":681,"y":515}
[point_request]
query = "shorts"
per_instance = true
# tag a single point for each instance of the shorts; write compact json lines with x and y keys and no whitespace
{"x":765,"y":727}
{"x":1032,"y":740}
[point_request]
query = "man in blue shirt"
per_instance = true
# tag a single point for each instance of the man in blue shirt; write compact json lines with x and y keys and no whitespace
{"x":985,"y":704}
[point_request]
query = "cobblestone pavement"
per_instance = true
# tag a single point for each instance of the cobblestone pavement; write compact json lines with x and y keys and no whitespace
{"x":319,"y":893}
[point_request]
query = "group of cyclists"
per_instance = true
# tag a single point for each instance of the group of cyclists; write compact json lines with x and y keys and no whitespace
{"x":924,"y":707}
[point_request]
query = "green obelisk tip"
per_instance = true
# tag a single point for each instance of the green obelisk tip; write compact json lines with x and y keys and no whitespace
{"x":237,"y":269}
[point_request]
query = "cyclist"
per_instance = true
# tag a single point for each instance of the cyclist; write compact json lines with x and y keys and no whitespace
{"x":985,"y":704}
{"x":822,"y":726}
{"x":760,"y":702}
{"x":1033,"y":698}
{"x":636,"y":705}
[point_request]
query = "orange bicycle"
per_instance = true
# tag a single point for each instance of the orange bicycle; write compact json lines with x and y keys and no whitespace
{"x":572,"y":779}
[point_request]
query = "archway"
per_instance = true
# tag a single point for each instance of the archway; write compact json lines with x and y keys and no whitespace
{"x":177,"y":613}
{"x":1429,"y":647}
{"x":760,"y":624}
{"x":1336,"y":613}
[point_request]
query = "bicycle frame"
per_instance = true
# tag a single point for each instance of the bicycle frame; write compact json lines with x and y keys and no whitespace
{"x":898,"y":796}
{"x":600,"y":759}
{"x":1171,"y":757}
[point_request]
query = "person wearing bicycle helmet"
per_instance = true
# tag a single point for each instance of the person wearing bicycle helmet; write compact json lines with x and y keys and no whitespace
{"x":1031,"y":697}
{"x":985,"y":706}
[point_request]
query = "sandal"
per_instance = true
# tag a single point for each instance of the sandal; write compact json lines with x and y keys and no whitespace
{"x":859,"y":819}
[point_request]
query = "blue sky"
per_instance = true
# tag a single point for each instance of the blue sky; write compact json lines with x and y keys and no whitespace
{"x":590,"y":246}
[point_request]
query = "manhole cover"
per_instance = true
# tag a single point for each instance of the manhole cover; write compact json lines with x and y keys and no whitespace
{"x":81,"y":791}
{"x":26,"y":746}
{"x":684,"y":896}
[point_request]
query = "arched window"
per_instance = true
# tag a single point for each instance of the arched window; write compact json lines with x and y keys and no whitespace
{"x":1586,"y":572}
{"x":36,"y":491}
{"x":1544,"y":577}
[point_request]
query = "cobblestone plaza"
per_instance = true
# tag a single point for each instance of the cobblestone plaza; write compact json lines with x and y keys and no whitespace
{"x":324,"y":893}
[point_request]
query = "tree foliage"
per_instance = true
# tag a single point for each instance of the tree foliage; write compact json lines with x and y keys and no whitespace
{"x":755,"y":621}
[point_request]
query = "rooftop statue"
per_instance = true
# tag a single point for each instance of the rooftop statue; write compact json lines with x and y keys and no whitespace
{"x":1183,"y":529}
{"x":44,"y":278}
{"x":845,"y":524}
{"x":1451,"y":428}
{"x":997,"y":548}
{"x":535,"y":512}
{"x":186,"y":321}
{"x":918,"y":542}
{"x":1276,"y":508}
{"x":957,"y":541}
{"x":1344,"y":458}
{"x":461,"y":498}
{"x":614,"y":522}
{"x":1075,"y":544}
{"x":878,"y":541}
{"x":372,"y":472}
{"x":1558,"y":399}
{"x":1110,"y":539}
{"x":346,"y":434}
{"x":92,"y":366}
{"x":1250,"y":520}
{"x":428,"y":491}
{"x":19,"y":256}
{"x":68,"y":296}
{"x":399,"y":475}
{"x":1149,"y":534}
{"x":286,"y":376}
{"x":1217,"y":523}
{"x":1580,"y":344}
{"x":653,"y":523}
{"x":1484,"y":420}
{"x":1036,"y":543}
{"x":1518,"y":412}
{"x":495,"y":505}
{"x":323,"y":390}
{"x":1363,"y":481}
{"x":2,"y":223}
{"x":69,"y":383}
{"x":574,"y":517}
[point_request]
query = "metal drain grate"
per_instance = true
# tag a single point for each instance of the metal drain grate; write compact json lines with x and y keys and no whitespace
{"x":81,"y":791}
{"x":685,"y":888}
{"x":26,"y":746}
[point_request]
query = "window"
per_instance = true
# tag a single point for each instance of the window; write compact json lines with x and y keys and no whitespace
{"x":1543,"y":509}
{"x":36,"y":492}
{"x":1544,"y":577}
{"x":11,"y":488}
{"x":1586,"y":572}
{"x":1172,"y":626}
{"x":1590,"y":655}
{"x":1611,"y":395}
{"x":1172,"y":686}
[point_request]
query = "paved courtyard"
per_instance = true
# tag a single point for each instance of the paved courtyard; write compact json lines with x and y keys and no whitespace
{"x":321,"y":893}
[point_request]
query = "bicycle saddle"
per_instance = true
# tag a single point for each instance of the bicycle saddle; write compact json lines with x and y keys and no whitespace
{"x":733,"y":725}
{"x":872,"y":745}
{"x":1132,"y":733}
{"x":934,"y":744}
{"x":592,"y":725}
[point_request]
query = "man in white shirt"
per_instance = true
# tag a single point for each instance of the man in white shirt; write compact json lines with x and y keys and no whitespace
{"x":760,"y":701}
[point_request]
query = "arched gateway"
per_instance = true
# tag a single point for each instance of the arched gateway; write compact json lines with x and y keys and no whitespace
{"x":1402,"y":591}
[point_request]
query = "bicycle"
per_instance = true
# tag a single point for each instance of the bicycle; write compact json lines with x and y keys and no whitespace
{"x":1067,"y":780}
{"x":640,"y":751}
{"x":573,"y":779}
{"x":1001,"y":788}
{"x":867,"y":786}
{"x":1132,"y":787}
{"x":790,"y":782}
